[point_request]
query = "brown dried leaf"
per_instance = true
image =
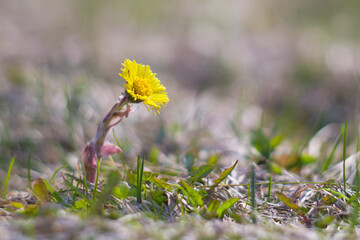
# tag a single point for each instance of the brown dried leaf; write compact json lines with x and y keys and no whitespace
{"x":288,"y":202}
{"x":40,"y":190}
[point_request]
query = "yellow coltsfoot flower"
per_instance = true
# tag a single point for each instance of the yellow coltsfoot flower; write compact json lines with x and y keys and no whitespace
{"x":142,"y":85}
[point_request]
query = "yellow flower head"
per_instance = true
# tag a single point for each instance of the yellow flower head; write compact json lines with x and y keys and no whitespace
{"x":142,"y":85}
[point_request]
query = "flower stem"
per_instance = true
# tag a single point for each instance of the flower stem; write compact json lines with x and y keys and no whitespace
{"x":97,"y":148}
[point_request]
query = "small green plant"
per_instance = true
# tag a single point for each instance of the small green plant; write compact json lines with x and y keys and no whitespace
{"x":8,"y":176}
{"x":265,"y":146}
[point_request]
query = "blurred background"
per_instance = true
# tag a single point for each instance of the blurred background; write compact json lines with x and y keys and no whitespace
{"x":229,"y":66}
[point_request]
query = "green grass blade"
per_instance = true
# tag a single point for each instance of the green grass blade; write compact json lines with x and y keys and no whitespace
{"x":28,"y":171}
{"x":252,"y":193}
{"x":76,"y":189}
{"x":54,"y":193}
{"x":55,"y":173}
{"x":69,"y":120}
{"x":248,"y":194}
{"x":97,"y":178}
{"x":8,"y":176}
{"x":112,"y":180}
{"x":328,"y":161}
{"x":355,"y":214}
{"x":84,"y":181}
{"x":121,"y":156}
{"x":138,"y":176}
{"x":116,"y":140}
{"x":270,"y":186}
{"x":224,"y":174}
{"x":337,"y":194}
{"x":140,"y":173}
{"x":344,"y":155}
{"x":71,"y":185}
